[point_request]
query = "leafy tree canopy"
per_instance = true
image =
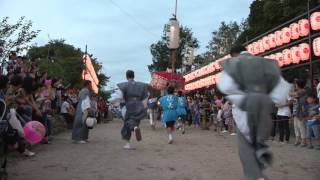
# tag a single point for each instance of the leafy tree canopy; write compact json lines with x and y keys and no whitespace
{"x":161,"y":53}
{"x":267,"y":14}
{"x":16,"y":36}
{"x":64,"y":61}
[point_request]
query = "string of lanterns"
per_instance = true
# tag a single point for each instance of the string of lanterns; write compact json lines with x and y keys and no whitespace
{"x":293,"y":55}
{"x":285,"y":35}
{"x":205,"y":70}
{"x":205,"y":82}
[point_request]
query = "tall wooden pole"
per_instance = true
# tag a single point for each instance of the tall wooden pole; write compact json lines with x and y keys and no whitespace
{"x":173,"y":60}
{"x":310,"y":44}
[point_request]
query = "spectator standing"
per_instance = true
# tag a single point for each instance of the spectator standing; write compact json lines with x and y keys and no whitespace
{"x":66,"y":111}
{"x":312,"y":110}
{"x":152,"y":110}
{"x":299,"y":98}
{"x":282,"y":120}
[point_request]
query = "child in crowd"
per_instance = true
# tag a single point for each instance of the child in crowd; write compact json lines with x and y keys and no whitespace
{"x":312,"y":110}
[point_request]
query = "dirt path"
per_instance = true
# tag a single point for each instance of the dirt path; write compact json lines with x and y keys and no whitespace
{"x":197,"y":155}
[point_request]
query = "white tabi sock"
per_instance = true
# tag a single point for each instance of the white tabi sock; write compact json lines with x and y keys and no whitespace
{"x":127,"y":145}
{"x":170,"y":137}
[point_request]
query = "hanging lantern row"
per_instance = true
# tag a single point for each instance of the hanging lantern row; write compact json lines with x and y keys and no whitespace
{"x":294,"y":55}
{"x":285,"y":35}
{"x":316,"y":46}
{"x":208,"y":81}
{"x":205,"y":70}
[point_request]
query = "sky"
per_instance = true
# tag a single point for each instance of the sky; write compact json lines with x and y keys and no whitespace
{"x":119,"y":32}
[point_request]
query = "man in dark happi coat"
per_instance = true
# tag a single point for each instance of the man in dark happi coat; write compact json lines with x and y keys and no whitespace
{"x":134,"y":94}
{"x":252,"y":84}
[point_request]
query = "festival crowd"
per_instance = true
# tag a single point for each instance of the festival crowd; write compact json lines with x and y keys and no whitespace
{"x":300,"y":114}
{"x":29,"y":94}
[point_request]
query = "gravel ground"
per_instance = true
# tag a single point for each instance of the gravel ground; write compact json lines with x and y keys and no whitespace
{"x":197,"y":155}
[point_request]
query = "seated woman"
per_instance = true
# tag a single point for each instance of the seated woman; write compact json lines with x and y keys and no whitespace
{"x":13,"y":99}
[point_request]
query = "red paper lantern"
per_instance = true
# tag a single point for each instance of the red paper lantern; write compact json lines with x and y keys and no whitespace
{"x":304,"y":27}
{"x":304,"y":49}
{"x":316,"y":46}
{"x":279,"y":40}
{"x":295,"y":55}
{"x":286,"y":35}
{"x":286,"y":57}
{"x":315,"y":21}
{"x":295,"y":33}
{"x":265,"y":41}
{"x":272,"y":40}
{"x":279,"y":58}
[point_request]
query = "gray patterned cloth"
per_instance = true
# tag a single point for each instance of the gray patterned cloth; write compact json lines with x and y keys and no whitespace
{"x":254,"y":78}
{"x":80,"y":132}
{"x":133,"y":93}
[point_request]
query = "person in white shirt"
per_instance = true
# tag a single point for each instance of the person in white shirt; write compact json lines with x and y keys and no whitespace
{"x":282,"y":120}
{"x":65,"y":111}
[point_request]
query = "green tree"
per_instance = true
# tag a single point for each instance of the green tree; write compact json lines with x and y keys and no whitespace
{"x":223,"y":39}
{"x":267,"y":14}
{"x":161,"y":53}
{"x":16,"y":36}
{"x":64,"y":61}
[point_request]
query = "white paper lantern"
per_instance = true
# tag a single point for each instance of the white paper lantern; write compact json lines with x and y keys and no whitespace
{"x":315,"y":20}
{"x":295,"y":32}
{"x":316,"y":46}
{"x":304,"y":27}
{"x":286,"y":35}
{"x":295,"y":55}
{"x":279,"y":40}
{"x":174,"y":31}
{"x":272,"y":40}
{"x":286,"y":57}
{"x":304,"y":51}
